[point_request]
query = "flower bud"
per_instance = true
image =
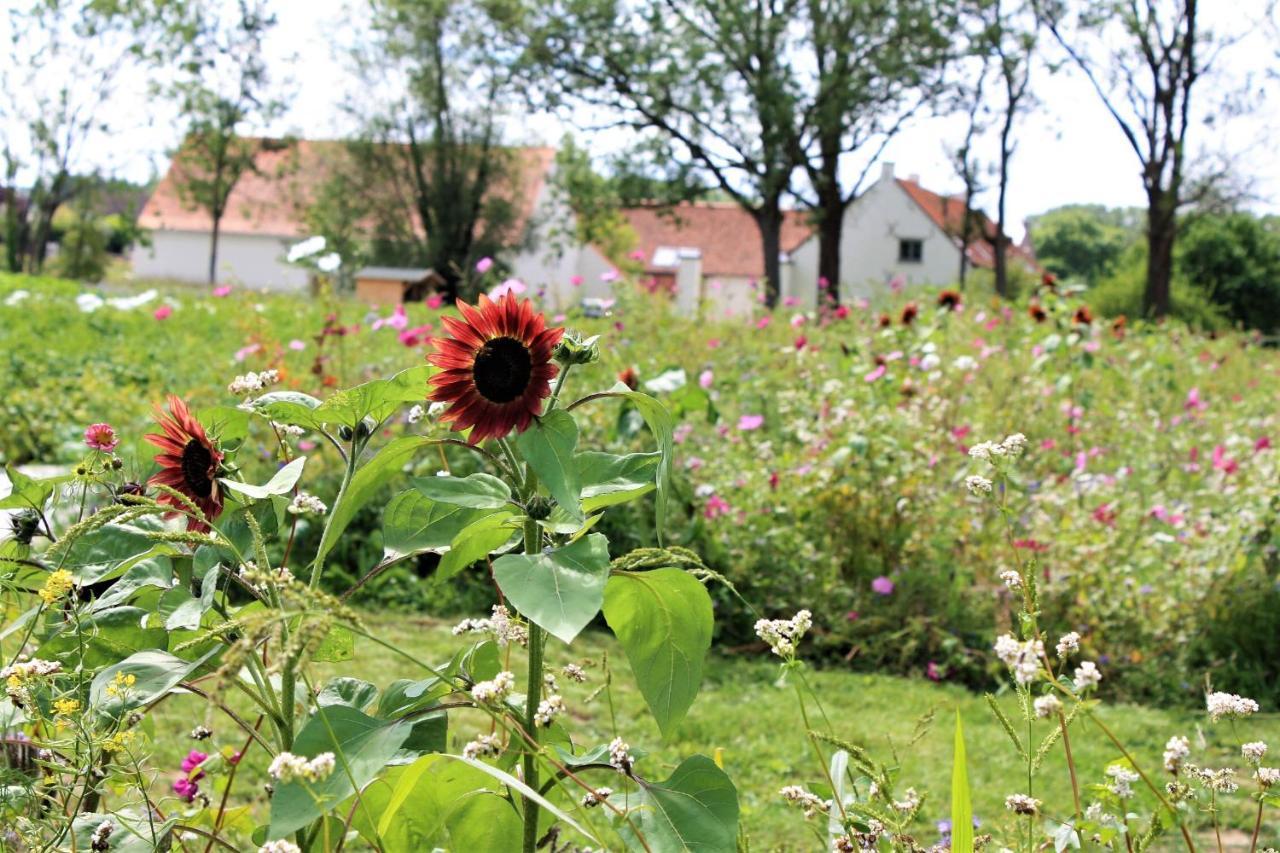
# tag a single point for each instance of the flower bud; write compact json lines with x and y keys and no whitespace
{"x":575,"y":350}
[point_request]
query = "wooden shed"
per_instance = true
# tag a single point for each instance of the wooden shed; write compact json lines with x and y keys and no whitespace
{"x":396,"y":285}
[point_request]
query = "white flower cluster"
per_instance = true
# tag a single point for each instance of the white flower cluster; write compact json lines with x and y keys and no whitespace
{"x":1012,"y":447}
{"x":260,"y":581}
{"x":1176,"y":751}
{"x":1021,"y":804}
{"x":280,"y":846}
{"x":1087,"y":675}
{"x":807,"y":800}
{"x":488,"y":692}
{"x":307,"y":504}
{"x":591,"y":799}
{"x":286,"y":767}
{"x":620,"y":755}
{"x":909,"y":802}
{"x":783,"y":635}
{"x":1222,"y":705}
{"x":483,"y":745}
{"x":1068,"y":644}
{"x":252,"y":383}
{"x":548,"y":710}
{"x":1223,"y":781}
{"x":416,"y":414}
{"x":1048,"y":706}
{"x":291,"y":430}
{"x":978,"y":486}
{"x":505,"y":630}
{"x":1254,"y":751}
{"x":16,"y":678}
{"x":1267,"y":776}
{"x":1011,"y":579}
{"x":1122,"y":779}
{"x":1022,"y":658}
{"x":98,"y":841}
{"x":575,"y":673}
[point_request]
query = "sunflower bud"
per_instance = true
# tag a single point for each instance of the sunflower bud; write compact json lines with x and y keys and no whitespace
{"x":538,"y":507}
{"x":129,"y":490}
{"x":25,"y":525}
{"x":574,"y":350}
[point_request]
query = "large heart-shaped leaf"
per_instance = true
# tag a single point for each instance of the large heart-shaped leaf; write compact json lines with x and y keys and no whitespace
{"x":607,"y":479}
{"x":289,"y":407}
{"x":663,"y":620}
{"x":478,"y":491}
{"x":26,"y":492}
{"x":548,"y":448}
{"x":154,"y":673}
{"x":414,"y":522}
{"x":476,"y":541}
{"x":376,"y":473}
{"x":362,"y":746}
{"x":282,"y":483}
{"x":695,"y":810}
{"x":560,"y":590}
{"x":377,"y":399}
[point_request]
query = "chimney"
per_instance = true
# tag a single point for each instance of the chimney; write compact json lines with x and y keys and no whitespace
{"x":886,"y":170}
{"x":689,"y":282}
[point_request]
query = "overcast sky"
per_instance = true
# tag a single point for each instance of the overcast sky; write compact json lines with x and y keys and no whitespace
{"x":1069,"y":150}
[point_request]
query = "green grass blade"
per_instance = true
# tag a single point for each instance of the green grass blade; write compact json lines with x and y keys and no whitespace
{"x":961,"y":810}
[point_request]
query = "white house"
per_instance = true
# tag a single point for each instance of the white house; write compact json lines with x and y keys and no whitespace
{"x":266,"y":214}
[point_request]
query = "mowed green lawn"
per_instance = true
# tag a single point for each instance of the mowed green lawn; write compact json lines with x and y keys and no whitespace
{"x":756,"y":727}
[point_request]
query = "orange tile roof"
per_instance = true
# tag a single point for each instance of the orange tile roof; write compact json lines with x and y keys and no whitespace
{"x":725,"y":233}
{"x":273,"y":197}
{"x":947,"y":212}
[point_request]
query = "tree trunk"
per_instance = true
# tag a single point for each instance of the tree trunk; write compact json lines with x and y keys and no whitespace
{"x":830,"y":229}
{"x":1001,"y":241}
{"x":213,"y":250}
{"x":769,"y":220}
{"x":1161,"y":230}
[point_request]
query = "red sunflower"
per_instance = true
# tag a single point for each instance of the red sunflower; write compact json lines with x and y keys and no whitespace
{"x":497,"y":366}
{"x":949,"y":300}
{"x":189,"y":462}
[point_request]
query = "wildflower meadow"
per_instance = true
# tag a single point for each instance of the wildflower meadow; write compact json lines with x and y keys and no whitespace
{"x":939,"y":573}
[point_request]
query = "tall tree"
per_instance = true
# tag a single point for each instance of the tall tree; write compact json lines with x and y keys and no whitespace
{"x":223,"y":89}
{"x":432,"y":178}
{"x":709,"y":82}
{"x":968,"y":98}
{"x":1144,"y":61}
{"x":873,"y":65}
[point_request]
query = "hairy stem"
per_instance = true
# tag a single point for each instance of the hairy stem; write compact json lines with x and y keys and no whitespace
{"x":533,"y":696}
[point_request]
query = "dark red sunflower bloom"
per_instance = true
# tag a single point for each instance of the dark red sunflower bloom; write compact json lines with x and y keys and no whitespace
{"x":629,"y":377}
{"x":189,"y":462}
{"x":949,"y":299}
{"x":885,"y":321}
{"x":909,"y":312}
{"x":1037,"y":312}
{"x":1083,"y":315}
{"x":497,"y":367}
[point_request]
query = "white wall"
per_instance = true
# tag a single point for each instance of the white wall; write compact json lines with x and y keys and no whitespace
{"x":873,"y":225}
{"x":251,"y":260}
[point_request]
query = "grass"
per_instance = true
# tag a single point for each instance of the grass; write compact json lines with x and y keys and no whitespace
{"x":753,"y":724}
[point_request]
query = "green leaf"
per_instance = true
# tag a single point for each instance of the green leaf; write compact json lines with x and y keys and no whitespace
{"x":154,"y":572}
{"x":695,"y":810}
{"x":102,"y":639}
{"x":413,"y":522}
{"x":181,"y":610}
{"x":961,"y":809}
{"x":667,"y":381}
{"x":475,"y":542}
{"x":352,"y":692}
{"x":662,"y":426}
{"x":113,"y":549}
{"x":339,"y":644}
{"x":478,"y":491}
{"x":607,"y":480}
{"x":155,"y":674}
{"x":228,"y":424}
{"x":26,"y":492}
{"x":282,"y":483}
{"x":548,"y":448}
{"x":376,"y":473}
{"x":361,"y":745}
{"x":560,"y":590}
{"x":378,"y":399}
{"x":663,"y":620}
{"x":289,"y":407}
{"x":133,"y":833}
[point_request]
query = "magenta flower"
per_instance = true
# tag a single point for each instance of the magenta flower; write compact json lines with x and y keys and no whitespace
{"x":246,"y":351}
{"x":932,"y":672}
{"x":484,"y":265}
{"x":511,"y":285}
{"x":222,"y":290}
{"x":187,"y":786}
{"x":716,"y":507}
{"x":434,"y":301}
{"x":101,"y":437}
{"x":1261,"y":444}
{"x":705,"y":378}
{"x":575,"y":280}
{"x":297,"y":345}
{"x":416,"y":336}
{"x":398,"y":320}
{"x":163,"y":312}
{"x":610,"y":275}
{"x":875,"y":374}
{"x":746,"y":423}
{"x":882,"y":586}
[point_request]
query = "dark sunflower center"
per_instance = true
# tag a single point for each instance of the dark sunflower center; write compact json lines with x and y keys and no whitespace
{"x":502,"y":370}
{"x":196,"y":462}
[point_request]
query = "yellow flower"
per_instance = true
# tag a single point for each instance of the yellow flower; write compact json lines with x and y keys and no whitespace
{"x":119,"y":741}
{"x":64,"y":708}
{"x":58,"y":585}
{"x":121,"y":684}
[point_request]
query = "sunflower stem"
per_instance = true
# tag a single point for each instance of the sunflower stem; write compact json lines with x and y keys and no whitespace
{"x":533,"y":696}
{"x":555,"y":394}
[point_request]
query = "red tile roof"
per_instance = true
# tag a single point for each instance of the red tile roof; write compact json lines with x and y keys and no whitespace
{"x":947,"y":212}
{"x":726,"y":234}
{"x":273,"y":197}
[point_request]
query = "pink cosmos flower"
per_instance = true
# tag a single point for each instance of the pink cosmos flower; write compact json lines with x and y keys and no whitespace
{"x":798,"y":320}
{"x":746,"y":423}
{"x":705,"y":378}
{"x":163,"y":312}
{"x":716,"y":507}
{"x":297,"y":345}
{"x":1193,"y":402}
{"x":823,"y":284}
{"x":101,"y":437}
{"x":222,"y":290}
{"x":609,"y":276}
{"x":897,"y":283}
{"x":801,"y":342}
{"x":511,"y":285}
{"x":434,"y":301}
{"x":575,"y":280}
{"x":484,"y":265}
{"x":398,"y":320}
{"x":773,"y":480}
{"x":882,"y":586}
{"x":1222,"y":462}
{"x":416,"y":336}
{"x":763,"y":322}
{"x":246,"y":351}
{"x":1262,"y":444}
{"x":842,"y":311}
{"x":681,"y":433}
{"x":932,"y":672}
{"x":637,"y":255}
{"x":875,"y":374}
{"x":790,"y":301}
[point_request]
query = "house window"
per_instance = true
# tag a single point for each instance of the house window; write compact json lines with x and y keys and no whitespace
{"x":910,"y":251}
